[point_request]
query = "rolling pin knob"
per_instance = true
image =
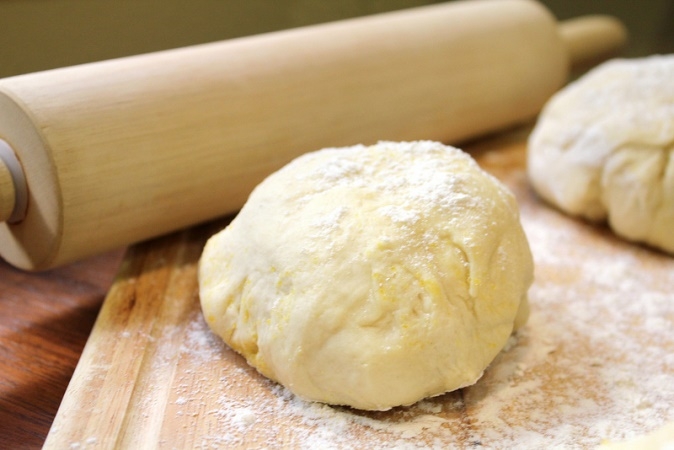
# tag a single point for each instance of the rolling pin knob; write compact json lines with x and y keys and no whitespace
{"x":590,"y":40}
{"x":13,"y":190}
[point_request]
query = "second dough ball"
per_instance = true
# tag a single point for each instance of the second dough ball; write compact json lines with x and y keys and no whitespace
{"x":371,"y":276}
{"x":603,"y":149}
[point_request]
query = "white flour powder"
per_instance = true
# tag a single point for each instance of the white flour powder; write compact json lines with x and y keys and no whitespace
{"x":594,"y":363}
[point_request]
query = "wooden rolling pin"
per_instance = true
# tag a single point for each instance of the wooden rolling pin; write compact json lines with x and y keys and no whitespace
{"x":101,"y":155}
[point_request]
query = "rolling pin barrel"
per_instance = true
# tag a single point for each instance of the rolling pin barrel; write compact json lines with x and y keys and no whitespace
{"x":115,"y":152}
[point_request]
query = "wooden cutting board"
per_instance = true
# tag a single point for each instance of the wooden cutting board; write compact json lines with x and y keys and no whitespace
{"x":594,"y":363}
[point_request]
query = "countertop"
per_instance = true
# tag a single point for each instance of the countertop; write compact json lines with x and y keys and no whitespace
{"x":45,"y":320}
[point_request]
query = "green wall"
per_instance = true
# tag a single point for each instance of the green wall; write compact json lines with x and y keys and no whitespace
{"x":42,"y":34}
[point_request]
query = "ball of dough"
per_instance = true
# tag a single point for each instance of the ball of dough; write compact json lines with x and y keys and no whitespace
{"x":603,"y":149}
{"x":370,"y":276}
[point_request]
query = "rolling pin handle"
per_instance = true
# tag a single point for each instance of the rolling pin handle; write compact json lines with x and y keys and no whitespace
{"x":13,"y":189}
{"x":592,"y":39}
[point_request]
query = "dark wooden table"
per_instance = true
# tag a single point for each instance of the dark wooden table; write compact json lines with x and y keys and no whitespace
{"x":45,"y":320}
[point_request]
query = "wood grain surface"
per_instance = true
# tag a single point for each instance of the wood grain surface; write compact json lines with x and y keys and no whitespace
{"x":45,"y":321}
{"x":592,"y":364}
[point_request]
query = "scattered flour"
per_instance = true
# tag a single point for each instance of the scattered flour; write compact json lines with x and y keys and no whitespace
{"x":595,"y":363}
{"x":582,"y":371}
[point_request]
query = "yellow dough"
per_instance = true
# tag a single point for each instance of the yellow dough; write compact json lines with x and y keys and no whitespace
{"x":371,"y":276}
{"x":603,"y":149}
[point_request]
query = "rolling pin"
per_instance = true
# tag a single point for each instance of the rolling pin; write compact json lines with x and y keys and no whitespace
{"x":101,"y":155}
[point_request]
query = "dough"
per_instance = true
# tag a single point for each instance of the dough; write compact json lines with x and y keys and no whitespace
{"x":602,"y":149}
{"x":370,"y":276}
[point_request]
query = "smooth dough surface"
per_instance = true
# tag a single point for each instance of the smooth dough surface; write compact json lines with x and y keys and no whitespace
{"x":370,"y":276}
{"x":603,"y":149}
